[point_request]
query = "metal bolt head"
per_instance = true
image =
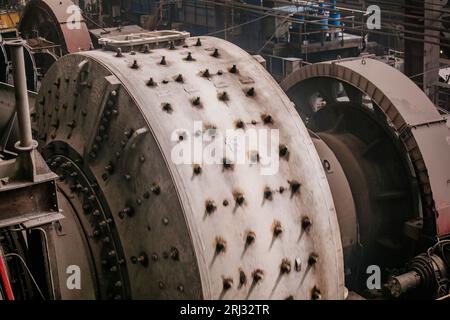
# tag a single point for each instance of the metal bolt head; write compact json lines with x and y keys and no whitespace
{"x":156,"y":189}
{"x":312,"y":260}
{"x":316,"y":294}
{"x":210,"y":206}
{"x":250,"y":238}
{"x":234,"y":69}
{"x":179,"y":78}
{"x":174,"y":254}
{"x":242,"y":278}
{"x":277,"y":229}
{"x":267,"y":118}
{"x":306,"y":223}
{"x":227,"y":164}
{"x":221,"y":245}
{"x":163,"y":61}
{"x":257,"y":275}
{"x":197,"y":169}
{"x":151,"y":83}
{"x":167,"y":107}
{"x":285,"y":266}
{"x":198,"y":43}
{"x":227,"y":283}
{"x":196,"y":101}
{"x":268,"y":193}
{"x":250,"y":92}
{"x":224,"y":96}
{"x":240,"y":199}
{"x":298,"y":264}
{"x":283,"y":150}
{"x":295,"y":186}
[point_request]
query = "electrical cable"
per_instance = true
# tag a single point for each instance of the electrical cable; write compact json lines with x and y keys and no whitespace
{"x":28,"y":270}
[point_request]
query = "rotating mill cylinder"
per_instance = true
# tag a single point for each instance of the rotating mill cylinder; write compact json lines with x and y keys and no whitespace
{"x":141,"y":226}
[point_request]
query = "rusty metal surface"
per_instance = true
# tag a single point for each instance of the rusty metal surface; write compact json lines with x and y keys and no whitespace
{"x":119,"y":129}
{"x":422,"y":129}
{"x":59,"y":14}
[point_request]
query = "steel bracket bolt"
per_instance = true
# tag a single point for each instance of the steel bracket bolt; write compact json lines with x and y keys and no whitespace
{"x":119,"y":53}
{"x":163,"y":61}
{"x":227,"y":283}
{"x":216,"y":53}
{"x":198,"y":43}
{"x":180,"y":288}
{"x":172,"y":45}
{"x":234,"y":69}
{"x":285,"y":266}
{"x":257,"y":275}
{"x":210,"y":206}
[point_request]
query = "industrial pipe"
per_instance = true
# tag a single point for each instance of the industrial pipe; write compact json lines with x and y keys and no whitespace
{"x":20,"y":85}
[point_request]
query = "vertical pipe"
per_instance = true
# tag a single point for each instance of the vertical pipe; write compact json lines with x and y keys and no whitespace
{"x":20,"y":86}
